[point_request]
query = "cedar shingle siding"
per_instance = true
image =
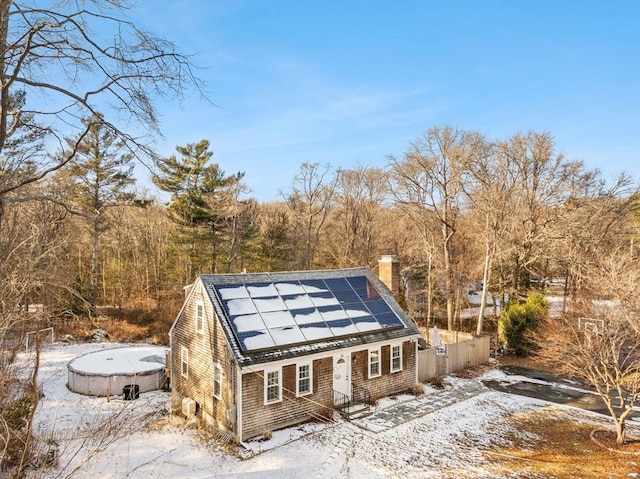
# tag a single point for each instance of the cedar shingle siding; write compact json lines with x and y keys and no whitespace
{"x":216,"y":345}
{"x":259,"y":418}
{"x":205,"y":350}
{"x":387,"y":383}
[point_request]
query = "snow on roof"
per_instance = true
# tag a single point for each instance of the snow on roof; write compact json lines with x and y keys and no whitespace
{"x":273,"y":316}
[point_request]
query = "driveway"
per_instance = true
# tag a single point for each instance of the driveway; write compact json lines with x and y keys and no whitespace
{"x":545,"y":386}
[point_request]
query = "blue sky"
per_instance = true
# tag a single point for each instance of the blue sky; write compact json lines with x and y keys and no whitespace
{"x":348,"y":82}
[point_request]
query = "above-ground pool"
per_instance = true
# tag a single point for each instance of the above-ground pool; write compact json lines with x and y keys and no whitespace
{"x":111,"y":372}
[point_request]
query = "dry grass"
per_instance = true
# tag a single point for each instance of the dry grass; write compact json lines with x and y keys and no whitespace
{"x":550,"y":444}
{"x":119,"y":330}
{"x":122,"y":331}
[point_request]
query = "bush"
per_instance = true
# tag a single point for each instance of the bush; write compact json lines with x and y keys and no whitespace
{"x":417,"y":389}
{"x":437,"y":382}
{"x":15,"y":440}
{"x":518,"y":319}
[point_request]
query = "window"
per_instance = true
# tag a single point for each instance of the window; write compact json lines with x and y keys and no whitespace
{"x":185,"y":362}
{"x":396,"y":358}
{"x":199,"y":317}
{"x":272,"y":386}
{"x":217,"y":381}
{"x":304,"y":380}
{"x":374,"y":363}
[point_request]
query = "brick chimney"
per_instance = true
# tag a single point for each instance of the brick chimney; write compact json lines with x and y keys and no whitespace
{"x":389,"y":272}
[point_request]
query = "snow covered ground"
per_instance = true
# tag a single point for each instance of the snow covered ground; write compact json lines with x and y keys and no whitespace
{"x":113,"y":438}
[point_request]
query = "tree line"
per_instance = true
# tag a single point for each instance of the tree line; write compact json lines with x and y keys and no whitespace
{"x":458,"y":209}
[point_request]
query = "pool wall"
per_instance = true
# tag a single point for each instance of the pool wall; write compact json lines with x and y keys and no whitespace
{"x":111,"y":385}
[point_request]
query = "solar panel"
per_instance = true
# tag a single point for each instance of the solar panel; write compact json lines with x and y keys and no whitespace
{"x":238,"y":291}
{"x":260,"y":290}
{"x":268,"y":314}
{"x":252,"y":340}
{"x":264,"y":305}
{"x":347,"y":296}
{"x":332,"y":313}
{"x":306,"y":316}
{"x":287,"y":335}
{"x":287,"y":289}
{"x":240,"y":306}
{"x":316,"y":331}
{"x":337,"y":284}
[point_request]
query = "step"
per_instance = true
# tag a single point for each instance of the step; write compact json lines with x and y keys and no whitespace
{"x":354,"y":409}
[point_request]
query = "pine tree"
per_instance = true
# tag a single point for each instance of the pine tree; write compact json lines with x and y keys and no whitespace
{"x":201,"y":200}
{"x":100,"y":174}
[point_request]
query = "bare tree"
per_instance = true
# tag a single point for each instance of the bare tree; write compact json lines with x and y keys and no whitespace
{"x":146,"y":231}
{"x":429,"y":177}
{"x":33,"y":238}
{"x":544,"y":181}
{"x":423,"y":252}
{"x":310,"y":204}
{"x":596,"y":217}
{"x":240,"y":227}
{"x":354,"y":237}
{"x":598,"y":341}
{"x":274,"y":247}
{"x":61,"y":62}
{"x":55,"y":70}
{"x":490,"y":193}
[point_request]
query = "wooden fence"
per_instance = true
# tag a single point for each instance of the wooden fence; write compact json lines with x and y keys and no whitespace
{"x":460,"y":351}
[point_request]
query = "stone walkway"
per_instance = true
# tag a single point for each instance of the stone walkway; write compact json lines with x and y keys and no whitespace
{"x":400,"y":413}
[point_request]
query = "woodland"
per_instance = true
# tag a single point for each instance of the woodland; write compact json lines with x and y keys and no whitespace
{"x":503,"y":216}
{"x":84,"y":245}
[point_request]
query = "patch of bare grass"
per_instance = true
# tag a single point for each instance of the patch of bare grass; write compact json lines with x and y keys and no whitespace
{"x":549,"y":443}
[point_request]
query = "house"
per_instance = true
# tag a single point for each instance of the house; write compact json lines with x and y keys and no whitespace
{"x":252,"y":353}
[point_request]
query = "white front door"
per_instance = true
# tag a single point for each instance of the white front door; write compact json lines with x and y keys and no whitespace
{"x":342,"y":374}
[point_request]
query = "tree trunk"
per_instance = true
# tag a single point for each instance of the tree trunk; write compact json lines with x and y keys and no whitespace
{"x":94,"y":271}
{"x":448,"y":276}
{"x":515,"y":279}
{"x":485,"y":285}
{"x":567,"y":278}
{"x":4,"y":92}
{"x":620,"y":431}
{"x":429,"y":290}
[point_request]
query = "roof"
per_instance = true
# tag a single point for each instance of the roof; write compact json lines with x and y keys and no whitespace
{"x":273,"y":316}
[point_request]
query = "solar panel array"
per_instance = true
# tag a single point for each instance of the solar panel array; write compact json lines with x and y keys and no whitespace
{"x":264,"y":315}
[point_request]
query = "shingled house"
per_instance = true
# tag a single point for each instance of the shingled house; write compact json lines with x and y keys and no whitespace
{"x":252,"y":353}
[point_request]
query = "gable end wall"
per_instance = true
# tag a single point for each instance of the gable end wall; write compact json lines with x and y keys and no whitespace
{"x":205,"y":350}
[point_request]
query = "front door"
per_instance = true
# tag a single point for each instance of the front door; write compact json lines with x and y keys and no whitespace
{"x":342,"y":375}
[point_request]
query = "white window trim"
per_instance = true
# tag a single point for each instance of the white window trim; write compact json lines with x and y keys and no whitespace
{"x":369,"y":356}
{"x":391,"y":368}
{"x":199,"y":320}
{"x":266,"y":384}
{"x":184,"y":360}
{"x":310,"y":391}
{"x":217,"y":369}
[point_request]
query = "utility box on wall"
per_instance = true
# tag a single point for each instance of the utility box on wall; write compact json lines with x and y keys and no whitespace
{"x":188,"y":407}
